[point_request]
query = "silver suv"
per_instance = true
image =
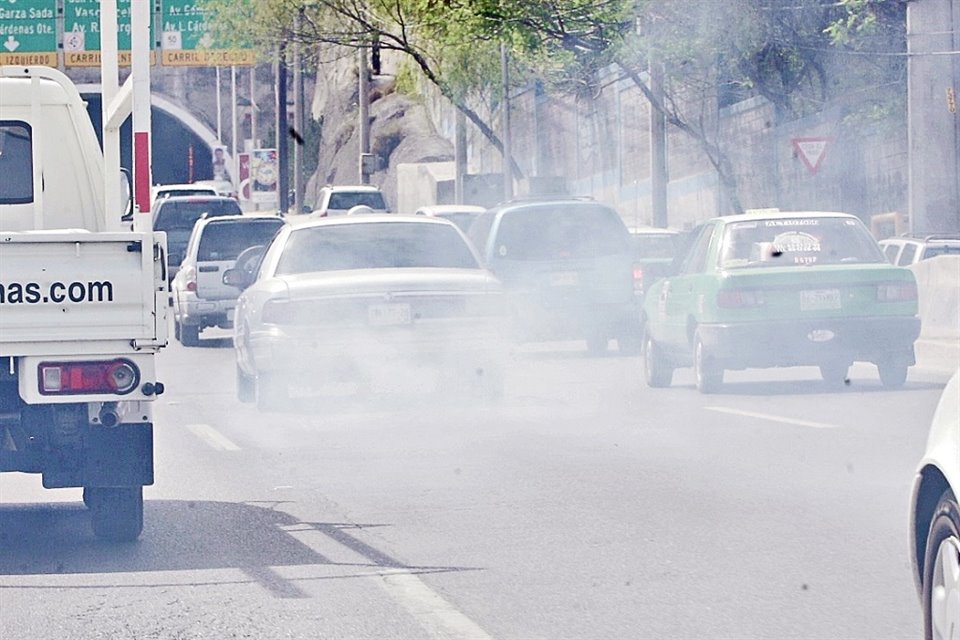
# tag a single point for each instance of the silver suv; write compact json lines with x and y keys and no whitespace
{"x":907,"y":250}
{"x":200,"y":299}
{"x":338,"y":200}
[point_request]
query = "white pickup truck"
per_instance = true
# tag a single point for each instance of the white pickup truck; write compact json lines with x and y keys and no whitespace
{"x":83,"y":304}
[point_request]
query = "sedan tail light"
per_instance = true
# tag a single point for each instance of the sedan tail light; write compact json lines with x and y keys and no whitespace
{"x":637,"y":278}
{"x":897,"y":292}
{"x":118,"y":377}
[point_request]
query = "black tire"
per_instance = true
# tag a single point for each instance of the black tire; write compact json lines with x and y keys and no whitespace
{"x":893,"y":373}
{"x":272,"y":393}
{"x":709,"y":375}
{"x":115,"y":513}
{"x":657,"y":370}
{"x":630,"y":342}
{"x":190,"y":335}
{"x":597,"y":343}
{"x":176,"y":330}
{"x":246,"y":387}
{"x":835,"y":374}
{"x":943,"y":545}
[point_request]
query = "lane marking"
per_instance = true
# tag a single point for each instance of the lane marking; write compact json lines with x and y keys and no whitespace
{"x":212,"y":437}
{"x":773,"y":418}
{"x":437,"y":616}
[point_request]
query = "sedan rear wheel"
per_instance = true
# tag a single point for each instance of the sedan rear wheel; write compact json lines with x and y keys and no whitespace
{"x":709,"y":375}
{"x":272,"y":392}
{"x":941,"y":572}
{"x":246,"y":386}
{"x":893,"y":372}
{"x":657,"y":370}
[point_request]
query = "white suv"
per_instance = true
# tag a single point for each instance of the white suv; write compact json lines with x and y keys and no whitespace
{"x":338,"y":200}
{"x":905,"y":250}
{"x":200,"y":299}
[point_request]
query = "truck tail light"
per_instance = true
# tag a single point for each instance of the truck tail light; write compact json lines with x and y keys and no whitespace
{"x":897,"y":292}
{"x":118,"y":377}
{"x":190,"y":279}
{"x":740,"y":298}
{"x":637,"y":278}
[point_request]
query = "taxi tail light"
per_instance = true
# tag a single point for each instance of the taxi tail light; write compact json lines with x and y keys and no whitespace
{"x":68,"y":378}
{"x":637,"y":278}
{"x":897,"y":292}
{"x":740,"y":298}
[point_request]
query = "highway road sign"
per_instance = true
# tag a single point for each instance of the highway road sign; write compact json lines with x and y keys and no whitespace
{"x":28,"y":32}
{"x":81,"y":33}
{"x":187,"y":38}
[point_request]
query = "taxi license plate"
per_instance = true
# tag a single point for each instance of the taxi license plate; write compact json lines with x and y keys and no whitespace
{"x":381,"y":315}
{"x":564,"y":279}
{"x":820,"y":299}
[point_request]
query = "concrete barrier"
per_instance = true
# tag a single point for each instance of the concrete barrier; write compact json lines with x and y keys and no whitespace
{"x":938,"y":284}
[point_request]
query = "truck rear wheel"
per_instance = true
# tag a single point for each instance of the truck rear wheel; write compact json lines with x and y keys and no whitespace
{"x":115,"y":513}
{"x":190,"y":335}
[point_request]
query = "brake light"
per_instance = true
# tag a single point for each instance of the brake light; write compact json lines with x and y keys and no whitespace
{"x":190,"y":278}
{"x":67,"y":378}
{"x":897,"y":292}
{"x":740,"y":298}
{"x":637,"y":278}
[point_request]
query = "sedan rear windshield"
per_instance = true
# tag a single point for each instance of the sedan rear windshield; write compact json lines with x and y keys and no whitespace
{"x":372,"y":199}
{"x":225,"y":240}
{"x":653,"y":245}
{"x":798,"y":242}
{"x":183,"y":214}
{"x":561,"y":233}
{"x":375,"y":246}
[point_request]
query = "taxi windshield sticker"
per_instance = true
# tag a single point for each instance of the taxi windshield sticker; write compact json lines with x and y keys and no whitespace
{"x":796,"y":242}
{"x":793,"y":222}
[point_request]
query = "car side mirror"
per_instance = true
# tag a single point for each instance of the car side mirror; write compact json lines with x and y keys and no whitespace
{"x":236,"y":278}
{"x":126,"y":195}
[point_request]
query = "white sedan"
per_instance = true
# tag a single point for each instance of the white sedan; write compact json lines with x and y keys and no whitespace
{"x":935,"y":520}
{"x":338,"y":298}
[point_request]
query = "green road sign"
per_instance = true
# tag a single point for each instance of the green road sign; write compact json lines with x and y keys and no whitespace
{"x":187,"y":37}
{"x":28,"y":32}
{"x":81,"y":32}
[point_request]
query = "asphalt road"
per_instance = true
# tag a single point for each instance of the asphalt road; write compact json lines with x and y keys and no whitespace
{"x":585,"y":505}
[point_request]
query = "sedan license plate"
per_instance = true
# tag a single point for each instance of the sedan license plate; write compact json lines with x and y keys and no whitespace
{"x":564,"y":279}
{"x":820,"y":300}
{"x":381,"y":315}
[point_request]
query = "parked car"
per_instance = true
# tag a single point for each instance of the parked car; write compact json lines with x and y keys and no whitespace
{"x":567,"y":266}
{"x":177,"y":214}
{"x":338,"y":200}
{"x":223,"y":188}
{"x":906,"y":250}
{"x":935,"y":520}
{"x":654,"y":249}
{"x":778,"y":290}
{"x":200,"y":299}
{"x":336,"y":297}
{"x":161,"y":191}
{"x":461,"y":215}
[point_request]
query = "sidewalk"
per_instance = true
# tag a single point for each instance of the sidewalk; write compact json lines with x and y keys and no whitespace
{"x":938,"y":354}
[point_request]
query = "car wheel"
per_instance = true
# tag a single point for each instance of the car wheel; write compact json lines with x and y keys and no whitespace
{"x":893,"y":372}
{"x":835,"y":374}
{"x":630,"y":342}
{"x":597,"y":343}
{"x":272,"y":392}
{"x":941,"y":572}
{"x":657,"y":370}
{"x":190,"y":335}
{"x":176,"y":330}
{"x":115,"y":513}
{"x":708,"y":374}
{"x":246,"y":386}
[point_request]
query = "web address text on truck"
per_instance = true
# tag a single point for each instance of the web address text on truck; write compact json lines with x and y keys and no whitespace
{"x":76,"y":292}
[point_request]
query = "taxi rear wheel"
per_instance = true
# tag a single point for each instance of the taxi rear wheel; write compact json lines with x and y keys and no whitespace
{"x":657,"y":370}
{"x":941,"y":571}
{"x":893,"y":372}
{"x":834,"y":374}
{"x":708,"y":373}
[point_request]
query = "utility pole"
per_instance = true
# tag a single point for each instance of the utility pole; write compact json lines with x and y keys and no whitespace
{"x":363,"y":92}
{"x":460,"y":156}
{"x":658,"y":149}
{"x":507,"y":152}
{"x":298,"y":124}
{"x":283,"y":135}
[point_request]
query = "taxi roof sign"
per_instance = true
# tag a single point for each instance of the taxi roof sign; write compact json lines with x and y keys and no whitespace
{"x":761,"y":212}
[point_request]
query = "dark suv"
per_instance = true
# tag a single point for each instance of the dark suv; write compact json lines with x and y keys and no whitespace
{"x":177,"y":214}
{"x":567,"y":266}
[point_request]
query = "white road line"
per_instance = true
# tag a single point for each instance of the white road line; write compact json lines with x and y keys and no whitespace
{"x":212,"y":437}
{"x":437,"y":616}
{"x":772,"y":418}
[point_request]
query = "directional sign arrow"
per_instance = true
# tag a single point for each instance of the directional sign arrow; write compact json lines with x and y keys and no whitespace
{"x":11,"y":44}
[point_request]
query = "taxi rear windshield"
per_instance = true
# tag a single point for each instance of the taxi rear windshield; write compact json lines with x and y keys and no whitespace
{"x":225,"y":240}
{"x":561,"y":233}
{"x":798,"y":242}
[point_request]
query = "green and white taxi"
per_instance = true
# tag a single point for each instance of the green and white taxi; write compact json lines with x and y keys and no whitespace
{"x":778,"y":289}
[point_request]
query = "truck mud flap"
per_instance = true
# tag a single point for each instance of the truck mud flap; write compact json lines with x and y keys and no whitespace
{"x":121,"y":456}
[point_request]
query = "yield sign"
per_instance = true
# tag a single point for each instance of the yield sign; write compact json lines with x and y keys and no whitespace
{"x":811,"y":151}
